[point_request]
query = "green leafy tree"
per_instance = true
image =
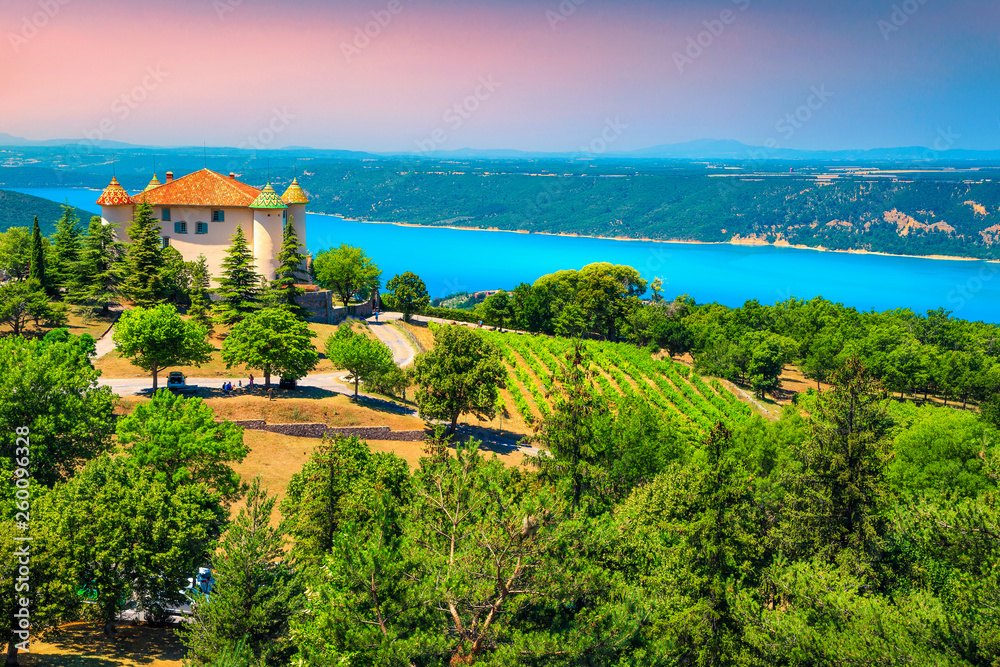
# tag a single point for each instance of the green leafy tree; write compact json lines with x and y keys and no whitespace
{"x":569,"y":438}
{"x":24,"y":301}
{"x":143,"y":265}
{"x":482,"y":547}
{"x":239,"y":284}
{"x":364,"y":604}
{"x":175,"y":280}
{"x":66,"y":247}
{"x":274,"y":341}
{"x":343,"y":483}
{"x":364,"y":357}
{"x":37,"y":270}
{"x":348,"y":271}
{"x":51,"y":389}
{"x":291,"y":259}
{"x":15,"y":253}
{"x":123,"y":534}
{"x":461,"y":375}
{"x":840,"y":498}
{"x":255,"y":594}
{"x":656,"y":287}
{"x":200,"y":309}
{"x":497,"y":308}
{"x":179,"y":440}
{"x":98,"y":278}
{"x":157,"y":338}
{"x":407,"y":293}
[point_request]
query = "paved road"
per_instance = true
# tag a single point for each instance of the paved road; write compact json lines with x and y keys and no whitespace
{"x":402,"y":349}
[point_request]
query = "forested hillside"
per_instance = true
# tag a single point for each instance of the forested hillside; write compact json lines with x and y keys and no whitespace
{"x":19,"y":210}
{"x":920,"y":217}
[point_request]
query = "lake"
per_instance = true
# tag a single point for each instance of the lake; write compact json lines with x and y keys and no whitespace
{"x":451,"y":260}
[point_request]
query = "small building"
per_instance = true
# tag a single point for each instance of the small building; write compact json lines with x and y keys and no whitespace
{"x":199,"y":214}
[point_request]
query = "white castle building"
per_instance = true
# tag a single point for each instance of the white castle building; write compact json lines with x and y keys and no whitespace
{"x":199,"y":213}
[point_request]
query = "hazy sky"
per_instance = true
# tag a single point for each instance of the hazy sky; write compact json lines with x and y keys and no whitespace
{"x":542,"y":75}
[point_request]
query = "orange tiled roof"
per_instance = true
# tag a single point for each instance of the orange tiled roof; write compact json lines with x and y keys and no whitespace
{"x":202,"y":188}
{"x":114,"y":195}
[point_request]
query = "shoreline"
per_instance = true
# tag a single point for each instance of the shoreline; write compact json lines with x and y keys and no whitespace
{"x":740,"y":242}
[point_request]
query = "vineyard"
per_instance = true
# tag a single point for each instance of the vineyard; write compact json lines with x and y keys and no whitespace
{"x":617,"y":369}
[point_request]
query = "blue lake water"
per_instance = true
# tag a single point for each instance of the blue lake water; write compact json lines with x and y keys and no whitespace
{"x":452,"y":260}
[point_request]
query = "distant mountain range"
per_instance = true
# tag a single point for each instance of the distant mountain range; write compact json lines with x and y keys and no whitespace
{"x":700,"y":149}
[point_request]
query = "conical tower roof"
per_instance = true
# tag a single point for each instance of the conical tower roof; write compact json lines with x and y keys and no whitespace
{"x":155,"y":183}
{"x":295,"y":194}
{"x":114,"y":195}
{"x":267,"y":199}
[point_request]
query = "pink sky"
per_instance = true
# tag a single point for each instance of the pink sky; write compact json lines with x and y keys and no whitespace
{"x":224,"y":75}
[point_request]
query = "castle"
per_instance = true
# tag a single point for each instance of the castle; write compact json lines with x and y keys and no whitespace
{"x":199,"y":213}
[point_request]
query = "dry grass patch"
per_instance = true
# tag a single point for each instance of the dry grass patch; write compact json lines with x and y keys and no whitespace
{"x":290,"y":408}
{"x":421,"y":332}
{"x":115,"y":366}
{"x":84,"y":645}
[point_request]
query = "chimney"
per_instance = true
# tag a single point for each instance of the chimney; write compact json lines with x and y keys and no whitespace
{"x":232,"y":174}
{"x":170,"y":176}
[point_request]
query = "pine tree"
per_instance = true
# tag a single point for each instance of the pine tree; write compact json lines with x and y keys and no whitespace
{"x":841,"y":497}
{"x":291,"y":261}
{"x":37,"y":271}
{"x":66,"y":248}
{"x":201,"y":306}
{"x":239,"y":285}
{"x":97,"y":278}
{"x":144,"y":263}
{"x":249,"y":610}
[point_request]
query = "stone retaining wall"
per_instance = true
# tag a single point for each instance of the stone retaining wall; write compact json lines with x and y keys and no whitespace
{"x":322,"y":307}
{"x":318,"y":430}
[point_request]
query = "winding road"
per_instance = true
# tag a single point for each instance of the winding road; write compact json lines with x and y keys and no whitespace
{"x":403,"y":354}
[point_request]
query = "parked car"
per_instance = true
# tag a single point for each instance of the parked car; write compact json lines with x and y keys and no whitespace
{"x":287,"y":383}
{"x":176,"y":382}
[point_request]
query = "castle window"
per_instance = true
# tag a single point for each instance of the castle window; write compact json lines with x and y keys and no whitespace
{"x":218,"y":215}
{"x":180,"y":227}
{"x":166,"y":242}
{"x":201,"y":228}
{"x":165,"y":216}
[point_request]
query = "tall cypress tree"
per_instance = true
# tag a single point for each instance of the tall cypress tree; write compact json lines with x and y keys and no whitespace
{"x":37,"y":270}
{"x":144,"y":263}
{"x":66,"y":248}
{"x":97,"y":278}
{"x":239,"y":284}
{"x":201,"y":309}
{"x":291,"y":261}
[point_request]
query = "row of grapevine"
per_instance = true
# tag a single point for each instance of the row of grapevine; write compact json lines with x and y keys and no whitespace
{"x":619,"y":370}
